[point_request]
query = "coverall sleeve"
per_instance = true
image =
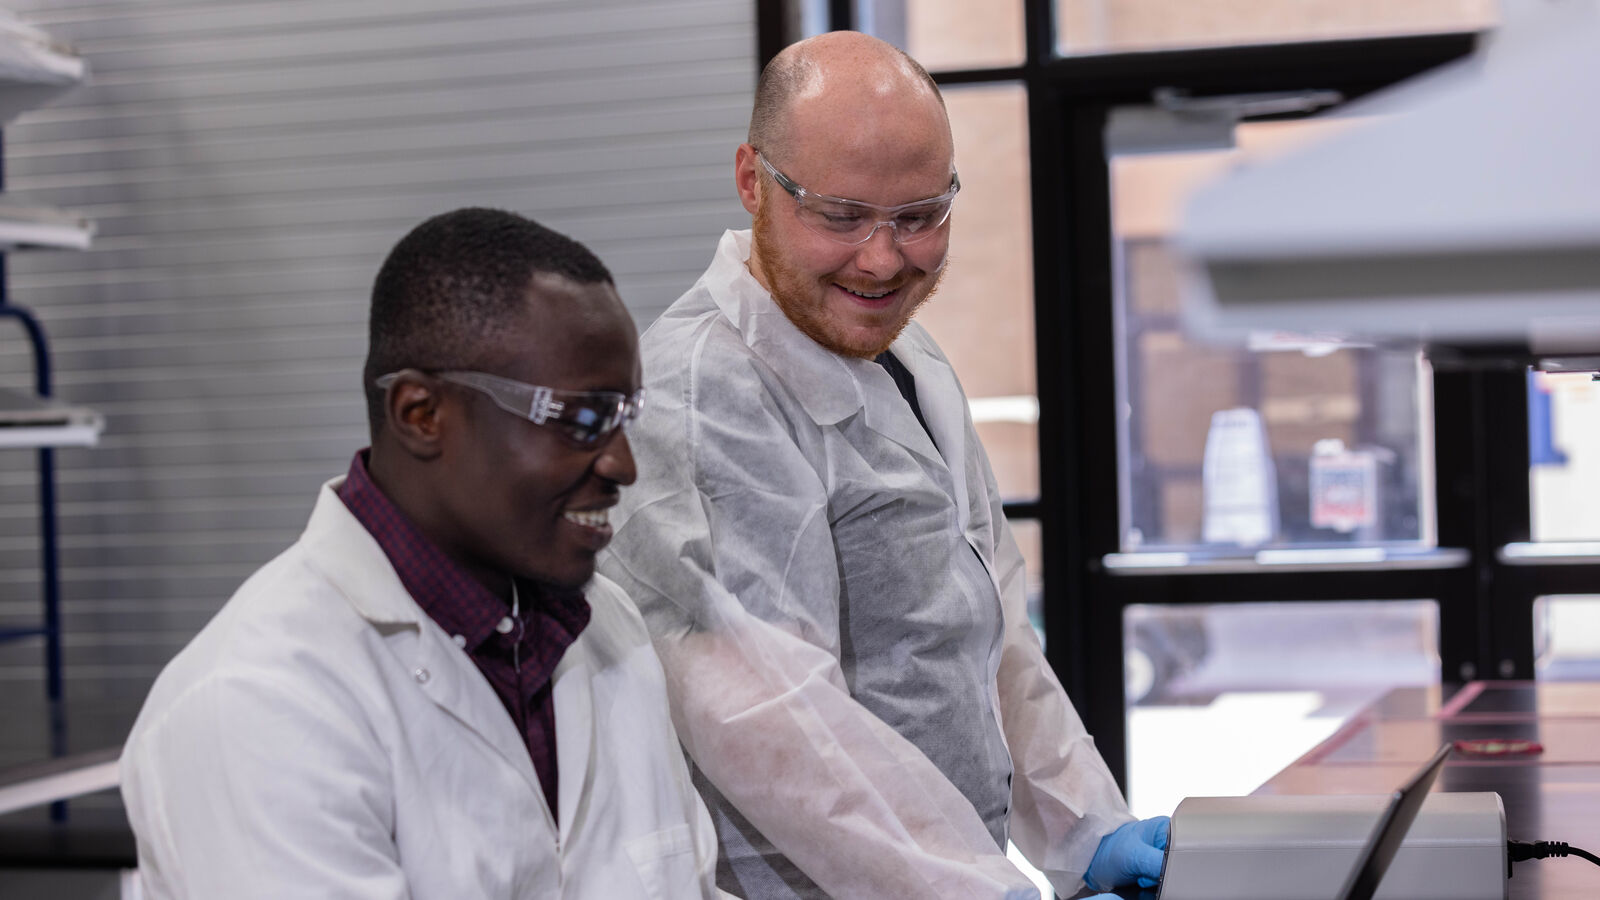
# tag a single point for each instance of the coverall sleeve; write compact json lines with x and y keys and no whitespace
{"x":1064,"y":799}
{"x":250,"y":789}
{"x":727,"y":549}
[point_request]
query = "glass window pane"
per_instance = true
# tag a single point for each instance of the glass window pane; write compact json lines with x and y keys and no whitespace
{"x":1221,"y":697}
{"x":1103,"y":26}
{"x":1228,"y":450}
{"x":1566,"y":638}
{"x":948,"y":34}
{"x":1564,"y":449}
{"x":1030,"y":540}
{"x":982,"y":315}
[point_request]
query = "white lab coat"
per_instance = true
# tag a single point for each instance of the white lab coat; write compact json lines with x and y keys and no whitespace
{"x":839,"y":605}
{"x":322,"y":737}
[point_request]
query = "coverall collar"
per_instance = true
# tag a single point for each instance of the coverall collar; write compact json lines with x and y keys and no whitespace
{"x":830,"y":387}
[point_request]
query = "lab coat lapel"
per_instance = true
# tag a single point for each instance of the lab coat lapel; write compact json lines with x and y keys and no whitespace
{"x":944,"y":406}
{"x":347,"y":555}
{"x":575,"y":733}
{"x":456,"y":686}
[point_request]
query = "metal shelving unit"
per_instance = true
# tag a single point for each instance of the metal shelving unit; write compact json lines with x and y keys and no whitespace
{"x":34,"y":70}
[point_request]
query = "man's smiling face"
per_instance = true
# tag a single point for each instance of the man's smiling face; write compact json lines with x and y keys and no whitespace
{"x":525,"y":498}
{"x":853,"y":300}
{"x":861,"y":140}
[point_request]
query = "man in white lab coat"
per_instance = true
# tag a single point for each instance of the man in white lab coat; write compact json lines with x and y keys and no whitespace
{"x":428,"y":695}
{"x":817,"y":543}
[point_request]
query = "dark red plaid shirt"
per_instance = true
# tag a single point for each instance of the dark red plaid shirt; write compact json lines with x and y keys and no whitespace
{"x":517,"y":658}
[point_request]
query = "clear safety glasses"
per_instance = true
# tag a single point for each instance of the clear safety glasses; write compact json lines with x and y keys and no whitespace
{"x":587,"y":417}
{"x":855,"y":222}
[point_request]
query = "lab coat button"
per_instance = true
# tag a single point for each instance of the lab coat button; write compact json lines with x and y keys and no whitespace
{"x":421,"y":675}
{"x":461,"y":641}
{"x":504,"y":626}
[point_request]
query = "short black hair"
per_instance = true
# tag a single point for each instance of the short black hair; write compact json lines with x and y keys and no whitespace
{"x":451,"y":281}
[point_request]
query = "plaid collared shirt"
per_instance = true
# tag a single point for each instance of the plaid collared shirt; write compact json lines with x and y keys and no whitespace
{"x":517,"y":657}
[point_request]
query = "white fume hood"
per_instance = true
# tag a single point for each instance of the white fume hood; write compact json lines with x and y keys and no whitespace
{"x":1467,"y":213}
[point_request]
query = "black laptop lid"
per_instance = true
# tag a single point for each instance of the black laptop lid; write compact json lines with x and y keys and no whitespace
{"x":1384,"y":841}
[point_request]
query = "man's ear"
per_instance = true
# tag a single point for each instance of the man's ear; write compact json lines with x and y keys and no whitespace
{"x":412,"y":414}
{"x":747,"y":177}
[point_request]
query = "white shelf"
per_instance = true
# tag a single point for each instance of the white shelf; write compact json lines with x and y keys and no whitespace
{"x":34,"y":68}
{"x":63,"y":778}
{"x":1288,"y":559}
{"x":1550,"y":553}
{"x":23,"y":227}
{"x":29,"y":421}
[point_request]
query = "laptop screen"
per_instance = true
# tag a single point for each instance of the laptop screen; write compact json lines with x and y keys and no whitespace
{"x":1384,"y":841}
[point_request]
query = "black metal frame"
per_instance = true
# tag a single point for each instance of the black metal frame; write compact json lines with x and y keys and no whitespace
{"x":49,"y":552}
{"x":1480,"y":418}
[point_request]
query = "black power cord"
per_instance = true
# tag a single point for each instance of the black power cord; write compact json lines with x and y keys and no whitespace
{"x":1517,"y":851}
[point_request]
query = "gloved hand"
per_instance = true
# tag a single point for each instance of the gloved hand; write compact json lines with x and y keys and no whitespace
{"x":1132,"y":852}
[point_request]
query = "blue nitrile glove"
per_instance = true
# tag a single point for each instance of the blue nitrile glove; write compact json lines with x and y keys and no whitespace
{"x":1132,"y":852}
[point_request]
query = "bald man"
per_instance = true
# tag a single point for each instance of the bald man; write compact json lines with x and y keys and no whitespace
{"x":817,"y":542}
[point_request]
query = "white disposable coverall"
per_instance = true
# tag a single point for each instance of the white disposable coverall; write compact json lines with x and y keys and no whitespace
{"x":839,"y":606}
{"x":323,"y":737}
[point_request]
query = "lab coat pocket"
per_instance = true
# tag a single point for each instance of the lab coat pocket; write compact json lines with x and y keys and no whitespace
{"x":665,"y":862}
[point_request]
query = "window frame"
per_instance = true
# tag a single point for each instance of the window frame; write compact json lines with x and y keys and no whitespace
{"x":1480,"y":407}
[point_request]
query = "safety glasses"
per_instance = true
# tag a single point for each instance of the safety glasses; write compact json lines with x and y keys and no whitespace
{"x":855,"y":222}
{"x":588,"y":418}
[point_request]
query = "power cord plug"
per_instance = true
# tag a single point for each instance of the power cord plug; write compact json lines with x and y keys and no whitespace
{"x":1518,"y":851}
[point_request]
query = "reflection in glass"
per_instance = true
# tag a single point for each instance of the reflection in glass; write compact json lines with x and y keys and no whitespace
{"x":1564,"y":449}
{"x":1566,"y":638}
{"x":1103,"y":26}
{"x":1291,"y":442}
{"x":1030,"y":540}
{"x":1220,"y":697}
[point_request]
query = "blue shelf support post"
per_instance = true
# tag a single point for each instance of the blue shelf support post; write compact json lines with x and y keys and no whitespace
{"x":50,"y":561}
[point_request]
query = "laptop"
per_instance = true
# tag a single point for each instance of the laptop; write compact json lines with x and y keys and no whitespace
{"x":1384,"y":841}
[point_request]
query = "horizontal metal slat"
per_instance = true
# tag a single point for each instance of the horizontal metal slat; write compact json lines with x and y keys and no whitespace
{"x":275,"y":217}
{"x":251,"y":164}
{"x":178,"y":20}
{"x":510,"y":60}
{"x":398,"y":36}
